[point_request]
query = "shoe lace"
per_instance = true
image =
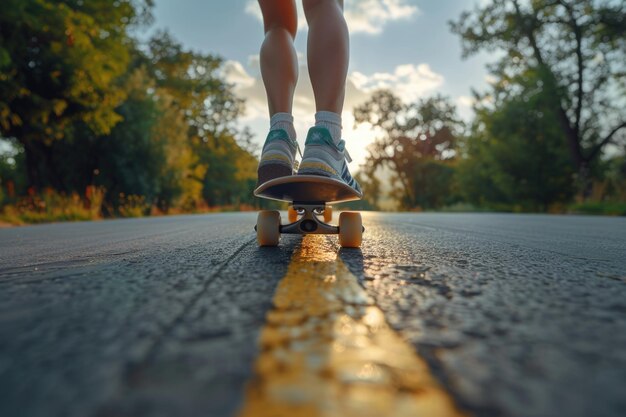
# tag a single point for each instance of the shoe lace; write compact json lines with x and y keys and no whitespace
{"x":342,"y":148}
{"x":296,"y":163}
{"x":298,"y":148}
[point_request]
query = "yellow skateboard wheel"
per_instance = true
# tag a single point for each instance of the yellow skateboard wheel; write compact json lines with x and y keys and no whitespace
{"x":328,"y":214}
{"x":292,"y":214}
{"x":268,"y":228}
{"x":350,"y":229}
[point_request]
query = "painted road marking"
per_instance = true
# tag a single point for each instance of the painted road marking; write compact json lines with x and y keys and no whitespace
{"x":326,"y":350}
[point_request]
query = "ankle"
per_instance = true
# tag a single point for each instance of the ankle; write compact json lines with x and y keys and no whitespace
{"x":330,"y":121}
{"x":283,"y":121}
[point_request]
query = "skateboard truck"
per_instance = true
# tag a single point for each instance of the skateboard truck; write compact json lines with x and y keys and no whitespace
{"x":309,"y":222}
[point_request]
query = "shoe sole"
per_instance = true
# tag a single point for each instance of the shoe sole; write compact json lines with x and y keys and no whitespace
{"x":268,"y":172}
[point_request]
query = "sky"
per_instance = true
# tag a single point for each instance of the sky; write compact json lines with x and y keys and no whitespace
{"x":403,"y":45}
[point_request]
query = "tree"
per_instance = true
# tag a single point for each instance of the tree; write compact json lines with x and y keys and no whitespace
{"x":371,"y":187}
{"x":135,"y":158}
{"x":60,"y":62}
{"x":515,"y":157}
{"x":91,"y":105}
{"x":578,"y":50}
{"x":417,"y":146}
{"x":225,"y":170}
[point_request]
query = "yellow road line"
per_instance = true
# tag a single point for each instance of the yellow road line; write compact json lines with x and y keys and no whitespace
{"x":327,"y":351}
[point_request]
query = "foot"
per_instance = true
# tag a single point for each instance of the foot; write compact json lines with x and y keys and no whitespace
{"x":278,"y":156}
{"x":325,"y":158}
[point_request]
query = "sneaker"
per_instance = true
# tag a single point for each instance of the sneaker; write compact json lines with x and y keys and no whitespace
{"x":325,"y":158}
{"x":278,"y":156}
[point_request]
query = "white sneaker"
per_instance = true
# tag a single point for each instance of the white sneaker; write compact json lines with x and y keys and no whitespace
{"x":278,"y":156}
{"x":325,"y":158}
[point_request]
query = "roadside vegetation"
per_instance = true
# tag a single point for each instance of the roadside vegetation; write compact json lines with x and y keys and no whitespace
{"x":95,"y":123}
{"x":549,"y":135}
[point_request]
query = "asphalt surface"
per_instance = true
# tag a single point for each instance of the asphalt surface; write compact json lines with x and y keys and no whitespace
{"x":516,"y":315}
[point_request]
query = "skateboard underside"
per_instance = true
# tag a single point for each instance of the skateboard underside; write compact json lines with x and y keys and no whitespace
{"x":307,"y":188}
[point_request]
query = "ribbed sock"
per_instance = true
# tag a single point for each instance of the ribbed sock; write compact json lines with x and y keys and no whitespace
{"x":283,"y":121}
{"x":331,"y":121}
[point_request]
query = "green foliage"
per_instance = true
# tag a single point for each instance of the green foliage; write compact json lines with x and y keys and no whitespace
{"x":90,"y":106}
{"x":609,"y":208}
{"x":614,"y":181}
{"x":608,"y":195}
{"x":516,"y":158}
{"x":371,"y":186}
{"x":577,"y":49}
{"x":230,"y":172}
{"x":224,"y":171}
{"x":434,"y":184}
{"x":417,"y":146}
{"x":131,"y":159}
{"x":60,"y":64}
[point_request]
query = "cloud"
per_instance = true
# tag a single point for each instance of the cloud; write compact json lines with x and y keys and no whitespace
{"x":253,"y":8}
{"x":408,"y":81}
{"x":465,"y":101}
{"x":490,"y":79}
{"x":370,"y":16}
{"x":236,"y":74}
{"x":465,"y":107}
{"x":248,"y":87}
{"x":362,"y":16}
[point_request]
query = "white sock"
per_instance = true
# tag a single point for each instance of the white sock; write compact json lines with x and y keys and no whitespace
{"x":331,"y":121}
{"x":283,"y":121}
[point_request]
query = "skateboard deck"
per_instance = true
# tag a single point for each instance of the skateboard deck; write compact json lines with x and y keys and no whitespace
{"x":307,"y":188}
{"x":309,"y":198}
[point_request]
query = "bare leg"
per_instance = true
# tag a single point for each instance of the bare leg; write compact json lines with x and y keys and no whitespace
{"x":279,"y":68}
{"x":279,"y":62}
{"x":328,"y":49}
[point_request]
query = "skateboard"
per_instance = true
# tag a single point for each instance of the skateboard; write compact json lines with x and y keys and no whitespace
{"x":310,"y":211}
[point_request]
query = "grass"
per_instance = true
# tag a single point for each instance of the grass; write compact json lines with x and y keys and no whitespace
{"x":51,"y":206}
{"x":605,"y":208}
{"x":133,"y":206}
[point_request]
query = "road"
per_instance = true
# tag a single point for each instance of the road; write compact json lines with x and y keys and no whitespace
{"x":503,"y":315}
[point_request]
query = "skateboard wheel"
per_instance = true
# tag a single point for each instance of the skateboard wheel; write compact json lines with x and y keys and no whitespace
{"x":292,"y":214}
{"x":268,"y":228}
{"x":350,"y":229}
{"x":328,"y":214}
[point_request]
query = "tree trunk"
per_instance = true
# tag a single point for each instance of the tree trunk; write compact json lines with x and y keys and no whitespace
{"x":40,"y":168}
{"x":32,"y":169}
{"x":585,"y":184}
{"x":54,"y":179}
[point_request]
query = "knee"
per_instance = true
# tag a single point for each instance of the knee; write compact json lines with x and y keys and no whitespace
{"x":287,"y":26}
